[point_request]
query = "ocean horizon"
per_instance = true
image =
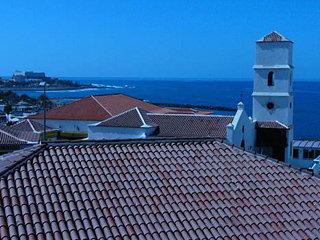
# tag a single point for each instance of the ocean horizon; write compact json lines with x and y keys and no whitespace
{"x":226,"y":93}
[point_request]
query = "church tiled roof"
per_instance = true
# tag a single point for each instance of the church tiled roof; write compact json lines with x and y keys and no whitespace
{"x":274,"y":37}
{"x":271,"y":124}
{"x":156,"y":190}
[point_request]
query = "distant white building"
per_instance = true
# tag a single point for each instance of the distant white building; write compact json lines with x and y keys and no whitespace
{"x":22,"y":76}
{"x":304,"y":152}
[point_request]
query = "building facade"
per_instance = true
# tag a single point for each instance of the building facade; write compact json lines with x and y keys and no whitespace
{"x":273,"y":94}
{"x":304,"y":152}
{"x":270,"y":130}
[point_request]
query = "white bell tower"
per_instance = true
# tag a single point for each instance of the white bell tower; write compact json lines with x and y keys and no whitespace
{"x":273,"y":92}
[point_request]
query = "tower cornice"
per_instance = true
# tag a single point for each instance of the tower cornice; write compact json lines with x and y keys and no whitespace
{"x":272,"y":94}
{"x":285,"y":66}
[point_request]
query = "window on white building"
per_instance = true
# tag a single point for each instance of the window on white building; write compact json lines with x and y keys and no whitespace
{"x":270,"y":79}
{"x":310,"y":154}
{"x":295,"y":153}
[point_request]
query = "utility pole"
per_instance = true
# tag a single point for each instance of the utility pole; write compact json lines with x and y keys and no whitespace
{"x":44,"y":110}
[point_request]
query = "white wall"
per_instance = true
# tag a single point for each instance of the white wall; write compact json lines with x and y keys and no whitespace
{"x":99,"y":133}
{"x":235,"y":133}
{"x":301,"y":162}
{"x":275,"y":57}
{"x":71,"y":126}
{"x":280,"y":80}
{"x":274,"y":53}
{"x":281,"y":111}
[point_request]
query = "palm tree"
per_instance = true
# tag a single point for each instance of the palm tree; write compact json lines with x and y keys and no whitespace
{"x":7,"y":109}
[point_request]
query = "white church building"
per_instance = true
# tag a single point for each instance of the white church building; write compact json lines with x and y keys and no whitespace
{"x":270,"y":129}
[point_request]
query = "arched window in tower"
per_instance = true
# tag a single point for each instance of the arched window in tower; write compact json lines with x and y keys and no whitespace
{"x":270,"y":79}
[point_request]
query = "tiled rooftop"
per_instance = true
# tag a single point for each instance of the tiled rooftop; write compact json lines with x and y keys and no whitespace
{"x":7,"y":161}
{"x":306,"y":143}
{"x":156,"y":190}
{"x":24,"y":136}
{"x":7,"y":139}
{"x":172,"y":125}
{"x":274,"y":37}
{"x":30,"y":126}
{"x":190,"y":126}
{"x":186,"y":110}
{"x":133,"y":118}
{"x":271,"y":124}
{"x":98,"y":108}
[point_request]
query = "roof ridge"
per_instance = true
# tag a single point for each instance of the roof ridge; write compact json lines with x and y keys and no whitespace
{"x":130,"y":141}
{"x":32,"y":127}
{"x":101,"y":105}
{"x":282,"y":124}
{"x":188,"y":114}
{"x":144,"y":124}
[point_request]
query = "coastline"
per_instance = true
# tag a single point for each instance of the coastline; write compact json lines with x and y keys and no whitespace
{"x":47,"y":89}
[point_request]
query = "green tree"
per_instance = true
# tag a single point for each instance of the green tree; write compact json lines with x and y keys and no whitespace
{"x":8,"y":109}
{"x":43,"y":98}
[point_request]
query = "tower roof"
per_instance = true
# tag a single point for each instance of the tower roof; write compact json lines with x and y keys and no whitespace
{"x":274,"y":37}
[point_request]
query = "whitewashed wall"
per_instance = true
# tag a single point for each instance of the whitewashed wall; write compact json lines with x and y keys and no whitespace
{"x":274,"y":53}
{"x":301,"y":162}
{"x":99,"y":133}
{"x":235,"y":133}
{"x":70,"y":126}
{"x":280,"y":80}
{"x":281,"y":111}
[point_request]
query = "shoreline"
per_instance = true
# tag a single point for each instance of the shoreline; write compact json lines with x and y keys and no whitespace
{"x":26,"y":89}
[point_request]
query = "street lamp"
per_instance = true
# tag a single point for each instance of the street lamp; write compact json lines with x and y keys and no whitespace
{"x":44,"y":109}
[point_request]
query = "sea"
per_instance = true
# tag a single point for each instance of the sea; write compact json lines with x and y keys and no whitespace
{"x":212,"y":92}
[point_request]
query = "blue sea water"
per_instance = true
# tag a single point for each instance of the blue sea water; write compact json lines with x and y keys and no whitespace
{"x":200,"y":92}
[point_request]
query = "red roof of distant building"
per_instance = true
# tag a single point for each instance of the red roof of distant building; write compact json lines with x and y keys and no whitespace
{"x":98,"y":108}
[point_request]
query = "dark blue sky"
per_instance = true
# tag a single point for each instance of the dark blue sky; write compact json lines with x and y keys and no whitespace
{"x":145,"y":38}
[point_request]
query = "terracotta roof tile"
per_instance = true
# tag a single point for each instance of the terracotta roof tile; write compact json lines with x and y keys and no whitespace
{"x":7,"y":139}
{"x":172,"y":125}
{"x":97,"y":108}
{"x":274,"y":37}
{"x":133,"y":118}
{"x":191,"y":126}
{"x":29,"y":126}
{"x":168,"y":189}
{"x":25,"y":132}
{"x":306,"y":143}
